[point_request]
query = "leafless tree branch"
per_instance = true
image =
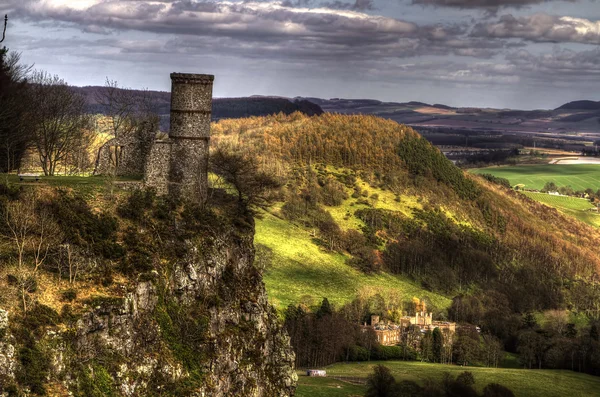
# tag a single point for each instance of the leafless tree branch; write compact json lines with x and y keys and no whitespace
{"x":4,"y":31}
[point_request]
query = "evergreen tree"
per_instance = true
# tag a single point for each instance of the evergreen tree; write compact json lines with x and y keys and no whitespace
{"x":381,"y":383}
{"x":14,"y":134}
{"x":325,"y":308}
{"x":437,"y":345}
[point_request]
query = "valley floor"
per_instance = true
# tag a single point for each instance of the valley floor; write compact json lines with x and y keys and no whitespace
{"x":523,"y":382}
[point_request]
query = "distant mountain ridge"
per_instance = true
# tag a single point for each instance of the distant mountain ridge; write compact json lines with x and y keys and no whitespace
{"x":581,"y":116}
{"x":581,"y":105}
{"x":223,"y":108}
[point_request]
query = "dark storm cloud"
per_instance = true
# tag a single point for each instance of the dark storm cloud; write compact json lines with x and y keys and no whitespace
{"x":564,"y":64}
{"x":306,"y":40}
{"x":273,"y":21}
{"x":485,"y":4}
{"x":271,"y":30}
{"x":542,"y":28}
{"x":358,"y":5}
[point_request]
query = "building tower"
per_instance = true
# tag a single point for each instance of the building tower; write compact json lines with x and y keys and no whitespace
{"x":191,"y":108}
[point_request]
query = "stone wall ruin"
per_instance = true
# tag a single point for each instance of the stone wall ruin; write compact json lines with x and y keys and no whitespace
{"x":178,"y":165}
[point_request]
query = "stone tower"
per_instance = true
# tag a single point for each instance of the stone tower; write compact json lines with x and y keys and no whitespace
{"x":191,"y":107}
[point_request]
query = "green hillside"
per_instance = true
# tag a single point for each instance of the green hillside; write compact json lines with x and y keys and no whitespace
{"x":370,"y":207}
{"x":578,"y":176}
{"x":300,"y":269}
{"x":524,"y":383}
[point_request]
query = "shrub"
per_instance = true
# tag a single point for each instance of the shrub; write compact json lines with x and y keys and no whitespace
{"x":40,"y":316}
{"x":95,"y":382}
{"x":496,"y":390}
{"x":33,"y":369}
{"x":365,"y":260}
{"x":358,"y":353}
{"x":408,"y":388}
{"x":466,"y":378}
{"x":354,"y":241}
{"x":69,"y":295}
{"x":333,"y":193}
{"x":139,"y":258}
{"x":83,"y":227}
{"x":381,"y":383}
{"x":136,"y":204}
{"x":496,"y":179}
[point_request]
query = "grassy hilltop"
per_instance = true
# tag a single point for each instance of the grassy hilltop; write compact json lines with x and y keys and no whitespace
{"x":432,"y":231}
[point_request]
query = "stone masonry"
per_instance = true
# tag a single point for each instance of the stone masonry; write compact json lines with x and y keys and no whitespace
{"x":191,"y":106}
{"x":177,"y":166}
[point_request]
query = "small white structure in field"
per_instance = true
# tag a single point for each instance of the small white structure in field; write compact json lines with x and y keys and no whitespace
{"x":316,"y":372}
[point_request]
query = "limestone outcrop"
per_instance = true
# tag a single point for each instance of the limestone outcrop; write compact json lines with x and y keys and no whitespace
{"x":203,"y":327}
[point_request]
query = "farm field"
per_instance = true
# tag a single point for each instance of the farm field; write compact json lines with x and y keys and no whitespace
{"x":523,"y":382}
{"x":578,"y":176}
{"x":575,"y":207}
{"x":563,"y":202}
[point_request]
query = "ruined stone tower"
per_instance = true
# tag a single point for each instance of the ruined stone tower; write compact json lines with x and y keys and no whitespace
{"x":178,"y":166}
{"x":191,"y":107}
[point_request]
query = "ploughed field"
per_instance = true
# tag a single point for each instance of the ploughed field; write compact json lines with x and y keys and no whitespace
{"x":523,"y":382}
{"x":578,"y":176}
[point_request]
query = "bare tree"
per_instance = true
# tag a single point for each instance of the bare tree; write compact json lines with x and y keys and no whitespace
{"x":119,"y":105}
{"x":79,"y":159}
{"x":31,"y":233}
{"x":129,"y":111}
{"x":4,"y":31}
{"x":60,"y":119}
{"x":15,"y":134}
{"x":254,"y":186}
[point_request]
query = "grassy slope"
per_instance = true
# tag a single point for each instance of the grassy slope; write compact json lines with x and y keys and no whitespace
{"x":523,"y":383}
{"x":300,"y":267}
{"x":326,"y":387}
{"x":578,"y":176}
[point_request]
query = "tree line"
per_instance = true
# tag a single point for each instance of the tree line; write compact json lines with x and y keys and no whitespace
{"x":41,"y":116}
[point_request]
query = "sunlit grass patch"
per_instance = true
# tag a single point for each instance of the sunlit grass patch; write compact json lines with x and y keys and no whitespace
{"x":301,"y":268}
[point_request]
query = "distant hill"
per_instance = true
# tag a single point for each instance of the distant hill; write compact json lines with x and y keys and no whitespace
{"x":231,"y":108}
{"x":580,"y":105}
{"x":223,"y":108}
{"x":427,"y":227}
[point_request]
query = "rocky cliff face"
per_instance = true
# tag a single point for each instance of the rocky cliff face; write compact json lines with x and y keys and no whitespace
{"x":198,"y":325}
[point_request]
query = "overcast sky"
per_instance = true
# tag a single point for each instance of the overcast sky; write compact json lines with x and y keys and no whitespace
{"x":499,"y":53}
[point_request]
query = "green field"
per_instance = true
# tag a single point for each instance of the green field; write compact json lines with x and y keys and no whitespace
{"x":572,"y":203}
{"x":578,"y":176}
{"x":524,"y":383}
{"x":575,"y":207}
